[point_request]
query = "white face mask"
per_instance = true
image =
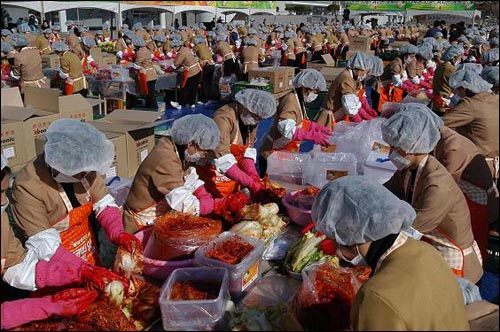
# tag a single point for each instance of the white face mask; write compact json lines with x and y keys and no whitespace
{"x":4,"y":207}
{"x":310,"y":97}
{"x":248,"y":119}
{"x":361,"y":78}
{"x":408,"y":60}
{"x":192,"y":158}
{"x":399,"y":161}
{"x":358,"y":260}
{"x":63,"y":178}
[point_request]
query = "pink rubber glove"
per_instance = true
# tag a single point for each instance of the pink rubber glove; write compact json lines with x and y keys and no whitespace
{"x":236,"y":174}
{"x":364,"y":114}
{"x":311,"y":135}
{"x":356,"y":118}
{"x":70,"y":302}
{"x":112,"y":223}
{"x":247,"y":165}
{"x":368,"y":109}
{"x":408,"y":86}
{"x":63,"y":268}
{"x":207,"y":202}
{"x":320,"y":128}
{"x":425,"y":84}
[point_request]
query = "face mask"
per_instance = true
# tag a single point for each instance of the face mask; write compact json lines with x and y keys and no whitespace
{"x":310,"y":97}
{"x":4,"y":207}
{"x":399,"y":161}
{"x":192,"y":158}
{"x":408,"y":60}
{"x":361,"y":78}
{"x":63,"y":178}
{"x":248,"y":119}
{"x":358,"y":260}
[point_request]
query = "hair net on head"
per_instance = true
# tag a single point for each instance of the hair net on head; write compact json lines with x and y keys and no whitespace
{"x":88,"y":41}
{"x":6,"y":47}
{"x":197,"y":128}
{"x":210,"y":34}
{"x":311,"y":79}
{"x":378,"y":66}
{"x":105,"y":26}
{"x":452,"y":51}
{"x":494,"y":42}
{"x":490,"y":56}
{"x":356,"y":209}
{"x":475,"y":67}
{"x":425,"y":51}
{"x":414,"y":128}
{"x":69,"y":22}
{"x":220,"y":37}
{"x":47,"y":31}
{"x":199,"y":40}
{"x":359,"y":60}
{"x":408,"y":49}
{"x":479,"y":40}
{"x":157,"y":27}
{"x":23,"y":28}
{"x":490,"y":75}
{"x":439,"y":34}
{"x":175,"y":43}
{"x":251,"y":42}
{"x":138,"y":41}
{"x":462,"y":39}
{"x":160,"y":38}
{"x":252,"y":31}
{"x":6,"y":32}
{"x":202,"y":26}
{"x":444,"y":44}
{"x":18,"y":40}
{"x":137,"y":26}
{"x":5,"y":162}
{"x":469,"y":80}
{"x":98,"y":33}
{"x":129,"y":34}
{"x":258,"y":102}
{"x":288,"y":35}
{"x":176,"y":36}
{"x":73,"y":147}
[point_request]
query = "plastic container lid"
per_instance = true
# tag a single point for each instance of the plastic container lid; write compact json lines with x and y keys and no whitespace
{"x":287,"y":167}
{"x":325,"y":167}
{"x":242,"y":275}
{"x":197,"y":314}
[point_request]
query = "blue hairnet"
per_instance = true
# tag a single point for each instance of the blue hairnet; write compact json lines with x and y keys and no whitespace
{"x":258,"y":102}
{"x":137,"y":26}
{"x":452,"y":51}
{"x":129,"y":34}
{"x":408,"y":49}
{"x":160,"y":38}
{"x":414,"y":128}
{"x":469,"y":80}
{"x":359,"y":60}
{"x":252,"y":31}
{"x":18,"y":40}
{"x":251,"y":42}
{"x":72,"y":147}
{"x":59,"y":47}
{"x":378,"y":66}
{"x":490,"y":56}
{"x":490,"y":75}
{"x":475,"y":67}
{"x":88,"y":41}
{"x":175,"y":43}
{"x":6,"y":47}
{"x":138,"y":41}
{"x":425,"y":51}
{"x":357,"y":209}
{"x":6,"y":32}
{"x":196,"y":128}
{"x":311,"y":79}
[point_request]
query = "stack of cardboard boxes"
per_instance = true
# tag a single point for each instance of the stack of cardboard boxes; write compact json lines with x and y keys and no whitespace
{"x":328,"y":69}
{"x":281,"y":78}
{"x":102,"y":59}
{"x":359,"y":44}
{"x":24,"y":124}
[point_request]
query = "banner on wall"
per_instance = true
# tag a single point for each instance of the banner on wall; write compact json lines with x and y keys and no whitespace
{"x":441,"y":5}
{"x":376,"y":5}
{"x":171,"y":3}
{"x":247,"y":4}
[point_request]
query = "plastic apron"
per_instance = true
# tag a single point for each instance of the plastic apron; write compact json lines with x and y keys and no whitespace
{"x":75,"y":230}
{"x":452,"y":253}
{"x":185,"y":73}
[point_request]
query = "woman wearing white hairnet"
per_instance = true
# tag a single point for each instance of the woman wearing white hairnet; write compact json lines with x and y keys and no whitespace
{"x":440,"y":84}
{"x":231,"y":64}
{"x":291,"y":125}
{"x":342,"y":102}
{"x":250,"y":57}
{"x":71,"y":70}
{"x":191,"y":73}
{"x":443,"y":218}
{"x":89,"y":65}
{"x":396,"y":72}
{"x":235,"y":156}
{"x":62,"y":189}
{"x":147,"y":77}
{"x":167,"y":179}
{"x":411,"y":287}
{"x":39,"y":266}
{"x":375,"y":89}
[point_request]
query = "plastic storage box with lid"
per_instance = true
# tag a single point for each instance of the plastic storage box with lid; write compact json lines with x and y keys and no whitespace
{"x":242,"y":275}
{"x":287,"y":167}
{"x":194,"y":315}
{"x":325,"y":167}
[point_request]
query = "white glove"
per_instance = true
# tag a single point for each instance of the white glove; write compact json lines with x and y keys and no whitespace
{"x":415,"y":80}
{"x":169,"y":54}
{"x":119,"y":54}
{"x":351,"y":104}
{"x":136,"y":66}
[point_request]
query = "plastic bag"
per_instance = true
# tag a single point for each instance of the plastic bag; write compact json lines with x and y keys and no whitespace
{"x":325,"y":167}
{"x":177,"y":235}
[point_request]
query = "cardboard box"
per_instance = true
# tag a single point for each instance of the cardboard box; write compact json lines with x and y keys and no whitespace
{"x":277,"y":76}
{"x":314,"y":65}
{"x":138,"y":129}
{"x":350,"y":53}
{"x":119,"y":167}
{"x":361,"y":43}
{"x":331,"y":74}
{"x":96,"y":53}
{"x":17,"y":147}
{"x":50,"y":61}
{"x":289,"y":76}
{"x":107,"y":60}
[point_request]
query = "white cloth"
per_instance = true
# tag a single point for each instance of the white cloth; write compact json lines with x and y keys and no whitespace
{"x":250,"y":153}
{"x":224,"y":163}
{"x":14,"y":76}
{"x":119,"y":54}
{"x":42,"y":245}
{"x":413,"y":233}
{"x":62,"y":74}
{"x":351,"y":104}
{"x":101,"y":205}
{"x":287,"y":128}
{"x":397,"y":81}
{"x":182,"y":198}
{"x":415,"y":80}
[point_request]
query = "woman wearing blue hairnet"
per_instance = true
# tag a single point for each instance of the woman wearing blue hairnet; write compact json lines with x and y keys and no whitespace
{"x":411,"y":287}
{"x":440,"y":84}
{"x":443,"y":217}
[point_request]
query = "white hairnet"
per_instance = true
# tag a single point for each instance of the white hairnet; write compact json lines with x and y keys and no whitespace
{"x":175,"y":43}
{"x":425,"y":51}
{"x":490,"y":56}
{"x":160,"y":38}
{"x":288,"y":35}
{"x":452,"y":51}
{"x":137,"y":26}
{"x":469,"y":80}
{"x":5,"y":161}
{"x":199,"y":40}
{"x":138,"y":41}
{"x":6,"y":32}
{"x":196,"y":128}
{"x":251,"y":42}
{"x":311,"y":79}
{"x":47,"y":31}
{"x":73,"y":147}
{"x":60,"y":47}
{"x":494,"y":42}
{"x":98,"y":33}
{"x":6,"y":47}
{"x":18,"y":40}
{"x":462,"y":39}
{"x":432,"y":41}
{"x":359,"y":60}
{"x":444,"y":44}
{"x":475,"y":67}
{"x":408,"y":49}
{"x":252,"y":31}
{"x":439,"y":34}
{"x":414,"y":128}
{"x":105,"y":26}
{"x":88,"y":41}
{"x":129,"y":34}
{"x":490,"y":75}
{"x":356,"y":209}
{"x":157,"y":27}
{"x":378,"y":66}
{"x":258,"y":102}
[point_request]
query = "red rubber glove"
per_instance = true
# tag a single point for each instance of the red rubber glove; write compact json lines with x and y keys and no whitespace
{"x":128,"y":241}
{"x":320,"y":128}
{"x":356,"y":118}
{"x":316,"y":137}
{"x":230,"y":207}
{"x":235,"y":174}
{"x":99,"y":277}
{"x":73,"y":301}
